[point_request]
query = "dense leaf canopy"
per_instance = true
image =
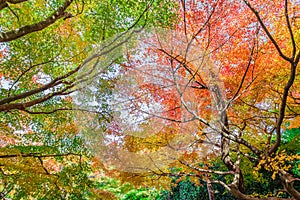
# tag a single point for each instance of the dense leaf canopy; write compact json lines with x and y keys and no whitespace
{"x":199,"y":99}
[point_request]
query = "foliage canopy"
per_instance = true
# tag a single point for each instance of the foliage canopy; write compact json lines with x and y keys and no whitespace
{"x":197,"y":94}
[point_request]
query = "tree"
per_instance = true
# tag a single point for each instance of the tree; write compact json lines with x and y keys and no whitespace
{"x":59,"y":13}
{"x":49,"y":50}
{"x":42,"y":171}
{"x":221,"y":87}
{"x":66,"y":53}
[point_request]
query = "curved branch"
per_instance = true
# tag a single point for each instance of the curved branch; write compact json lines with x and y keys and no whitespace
{"x":267,"y":31}
{"x":38,"y":155}
{"x":288,"y":183}
{"x":290,"y":28}
{"x":293,"y":62}
{"x":15,"y":34}
{"x":283,"y":106}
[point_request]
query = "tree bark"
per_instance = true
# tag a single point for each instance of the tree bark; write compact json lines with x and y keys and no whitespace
{"x":223,"y":120}
{"x":210,"y":190}
{"x":287,"y":181}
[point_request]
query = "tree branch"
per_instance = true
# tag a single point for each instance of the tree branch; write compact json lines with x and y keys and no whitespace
{"x":287,"y":181}
{"x":14,"y":34}
{"x":267,"y":31}
{"x":37,"y":155}
{"x":4,"y":3}
{"x":290,"y":28}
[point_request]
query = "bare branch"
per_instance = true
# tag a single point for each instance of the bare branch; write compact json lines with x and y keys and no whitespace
{"x":291,"y":79}
{"x":42,"y":163}
{"x":267,"y":31}
{"x":290,"y":28}
{"x":244,"y":75}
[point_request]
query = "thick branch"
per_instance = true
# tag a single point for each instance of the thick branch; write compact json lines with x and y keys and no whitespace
{"x":293,"y":62}
{"x":287,"y":181}
{"x":4,"y":106}
{"x":60,"y":109}
{"x":22,"y":106}
{"x":283,"y":107}
{"x":14,"y":34}
{"x":37,"y":155}
{"x":236,"y":193}
{"x":210,"y":190}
